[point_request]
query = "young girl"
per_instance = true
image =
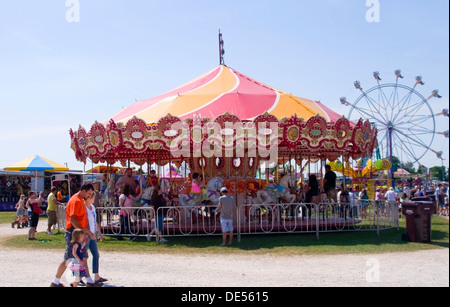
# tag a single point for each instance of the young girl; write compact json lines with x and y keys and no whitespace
{"x":20,"y":207}
{"x":196,"y":184}
{"x":126,"y":201}
{"x":159,"y":201}
{"x":77,"y":268}
{"x":196,"y":188}
{"x":94,"y":227}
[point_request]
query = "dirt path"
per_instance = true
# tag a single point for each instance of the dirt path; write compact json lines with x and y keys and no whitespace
{"x":423,"y":268}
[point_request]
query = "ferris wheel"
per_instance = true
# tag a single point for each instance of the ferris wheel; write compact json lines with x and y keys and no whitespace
{"x":404,"y":118}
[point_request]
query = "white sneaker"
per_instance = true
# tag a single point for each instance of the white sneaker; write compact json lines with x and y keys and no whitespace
{"x":163,"y":240}
{"x":49,"y":233}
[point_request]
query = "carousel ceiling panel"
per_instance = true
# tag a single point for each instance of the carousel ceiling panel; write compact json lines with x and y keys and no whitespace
{"x":222,"y":90}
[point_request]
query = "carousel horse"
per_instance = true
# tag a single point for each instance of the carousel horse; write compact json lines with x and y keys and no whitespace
{"x":187,"y":198}
{"x":258,"y":204}
{"x":266,"y":198}
{"x":286,"y":182}
{"x":213,"y":190}
{"x":210,"y":193}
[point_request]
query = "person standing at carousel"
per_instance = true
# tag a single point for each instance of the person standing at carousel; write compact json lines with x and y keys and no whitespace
{"x":159,"y":202}
{"x":225,"y":208}
{"x":127,"y":179}
{"x":330,"y":184}
{"x":34,"y":204}
{"x":126,"y":200}
{"x":312,"y":193}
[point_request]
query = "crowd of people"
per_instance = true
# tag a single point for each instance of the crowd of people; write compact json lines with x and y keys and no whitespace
{"x":359,"y":195}
{"x":82,"y":227}
{"x":83,"y":224}
{"x":81,"y":233}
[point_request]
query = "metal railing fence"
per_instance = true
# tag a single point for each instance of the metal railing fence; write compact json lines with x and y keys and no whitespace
{"x":249,"y":219}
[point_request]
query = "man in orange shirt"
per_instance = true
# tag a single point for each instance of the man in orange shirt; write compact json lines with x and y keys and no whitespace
{"x":59,"y":196}
{"x":76,"y":217}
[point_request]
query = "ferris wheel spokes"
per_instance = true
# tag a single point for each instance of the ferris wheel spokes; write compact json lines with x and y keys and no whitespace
{"x":403,"y":117}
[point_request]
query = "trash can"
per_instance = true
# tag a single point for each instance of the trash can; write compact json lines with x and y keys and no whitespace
{"x":418,"y":221}
{"x":426,"y":199}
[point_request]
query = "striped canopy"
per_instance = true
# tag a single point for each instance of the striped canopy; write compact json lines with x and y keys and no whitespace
{"x":402,"y":172}
{"x":222,"y":90}
{"x":36,"y":163}
{"x":168,"y":127}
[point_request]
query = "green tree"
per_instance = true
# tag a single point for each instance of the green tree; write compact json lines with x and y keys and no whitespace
{"x":408,"y":166}
{"x":439,"y":172}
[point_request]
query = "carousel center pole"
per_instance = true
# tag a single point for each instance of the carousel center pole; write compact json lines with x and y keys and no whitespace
{"x":140,"y":172}
{"x":391,"y":172}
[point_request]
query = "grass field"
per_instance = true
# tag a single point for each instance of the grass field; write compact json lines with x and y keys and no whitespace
{"x":285,"y":244}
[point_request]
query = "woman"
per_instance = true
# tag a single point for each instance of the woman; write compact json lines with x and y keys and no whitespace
{"x":364,"y":201}
{"x":126,"y":201}
{"x":34,"y":205}
{"x":312,"y":188}
{"x":94,"y":227}
{"x":312,"y":192}
{"x":344,"y":202}
{"x":157,"y":202}
{"x":146,"y":196}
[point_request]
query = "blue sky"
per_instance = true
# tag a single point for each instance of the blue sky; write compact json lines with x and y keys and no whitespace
{"x":56,"y":75}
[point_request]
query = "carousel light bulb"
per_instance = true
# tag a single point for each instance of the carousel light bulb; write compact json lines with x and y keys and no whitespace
{"x":439,"y":154}
{"x":445,"y":133}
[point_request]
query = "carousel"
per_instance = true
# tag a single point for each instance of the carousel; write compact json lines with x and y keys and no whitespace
{"x":227,"y":127}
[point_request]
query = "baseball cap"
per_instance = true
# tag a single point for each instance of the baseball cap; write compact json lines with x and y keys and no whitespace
{"x":224,"y":190}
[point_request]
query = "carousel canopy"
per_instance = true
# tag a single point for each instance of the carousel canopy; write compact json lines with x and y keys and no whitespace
{"x":222,"y":90}
{"x":224,"y":111}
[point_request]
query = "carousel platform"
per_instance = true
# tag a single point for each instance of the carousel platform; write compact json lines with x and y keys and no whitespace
{"x":254,"y":226}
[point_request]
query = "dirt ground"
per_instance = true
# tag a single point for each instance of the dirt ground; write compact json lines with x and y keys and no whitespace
{"x":28,"y":268}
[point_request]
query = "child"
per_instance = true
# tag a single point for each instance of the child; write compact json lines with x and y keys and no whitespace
{"x":20,"y":208}
{"x":153,"y":179}
{"x":225,"y":207}
{"x":77,"y":268}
